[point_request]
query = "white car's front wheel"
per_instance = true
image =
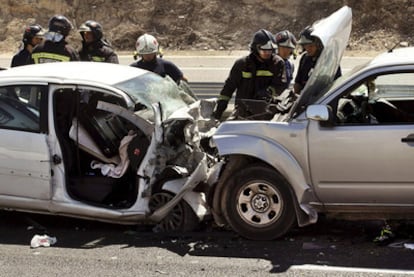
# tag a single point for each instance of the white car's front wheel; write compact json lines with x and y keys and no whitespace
{"x":181,"y":217}
{"x":259,"y":204}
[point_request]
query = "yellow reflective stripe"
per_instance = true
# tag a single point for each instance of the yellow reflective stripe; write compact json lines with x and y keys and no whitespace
{"x":264,"y":73}
{"x":246,"y":74}
{"x":260,"y":73}
{"x":98,"y":59}
{"x":223,"y":97}
{"x":43,"y":57}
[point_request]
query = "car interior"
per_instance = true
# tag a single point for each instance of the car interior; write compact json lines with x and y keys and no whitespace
{"x":90,"y":136}
{"x":378,"y":100}
{"x":20,"y":108}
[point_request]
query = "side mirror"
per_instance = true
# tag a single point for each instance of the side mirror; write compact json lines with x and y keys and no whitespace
{"x":321,"y":113}
{"x":317,"y":112}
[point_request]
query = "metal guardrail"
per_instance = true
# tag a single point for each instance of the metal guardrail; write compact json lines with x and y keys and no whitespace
{"x":205,"y":90}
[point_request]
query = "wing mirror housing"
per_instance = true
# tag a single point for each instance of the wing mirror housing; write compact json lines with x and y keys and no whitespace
{"x":321,"y":113}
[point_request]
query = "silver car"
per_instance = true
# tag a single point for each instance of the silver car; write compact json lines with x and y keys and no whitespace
{"x":346,"y":148}
{"x":104,"y":142}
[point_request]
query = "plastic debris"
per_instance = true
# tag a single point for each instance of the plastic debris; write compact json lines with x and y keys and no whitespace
{"x":397,"y":244}
{"x":409,"y":246}
{"x":42,"y":240}
{"x":386,"y":236}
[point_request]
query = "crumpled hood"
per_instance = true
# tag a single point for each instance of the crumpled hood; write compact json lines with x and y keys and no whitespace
{"x":200,"y":113}
{"x":334,"y":32}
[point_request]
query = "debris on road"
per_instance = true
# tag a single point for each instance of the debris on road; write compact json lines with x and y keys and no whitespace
{"x":42,"y":240}
{"x":409,"y":246}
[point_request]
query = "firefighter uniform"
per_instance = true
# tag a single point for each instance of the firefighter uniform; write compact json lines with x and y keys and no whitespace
{"x":50,"y":51}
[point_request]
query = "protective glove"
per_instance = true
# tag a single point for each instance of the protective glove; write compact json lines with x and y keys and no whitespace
{"x":221,"y":107}
{"x":265,"y":94}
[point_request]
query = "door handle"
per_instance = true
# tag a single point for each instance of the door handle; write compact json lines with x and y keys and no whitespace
{"x":55,"y":159}
{"x":408,"y":139}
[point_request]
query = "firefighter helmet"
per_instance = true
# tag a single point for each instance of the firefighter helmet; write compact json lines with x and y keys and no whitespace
{"x":60,"y":24}
{"x":31,"y":31}
{"x":92,"y":26}
{"x":262,"y":40}
{"x":147,"y":44}
{"x":286,"y":39}
{"x":306,"y":37}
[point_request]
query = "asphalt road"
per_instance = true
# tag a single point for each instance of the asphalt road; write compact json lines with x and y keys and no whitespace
{"x":208,"y":71}
{"x":208,"y":67}
{"x":85,"y":248}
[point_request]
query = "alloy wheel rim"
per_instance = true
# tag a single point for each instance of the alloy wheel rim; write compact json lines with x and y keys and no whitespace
{"x":174,"y":219}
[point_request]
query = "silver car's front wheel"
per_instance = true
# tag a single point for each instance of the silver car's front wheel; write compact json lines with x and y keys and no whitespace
{"x":259,"y":204}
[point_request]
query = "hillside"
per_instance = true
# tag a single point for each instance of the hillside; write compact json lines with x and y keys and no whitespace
{"x":209,"y":25}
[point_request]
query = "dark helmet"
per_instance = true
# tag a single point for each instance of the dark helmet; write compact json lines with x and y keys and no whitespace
{"x":263,"y":39}
{"x":286,"y":39}
{"x":306,"y":37}
{"x":92,"y":26}
{"x":60,"y":24}
{"x":31,"y":31}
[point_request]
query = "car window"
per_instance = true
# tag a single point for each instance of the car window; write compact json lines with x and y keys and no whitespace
{"x":21,"y":107}
{"x":381,"y":99}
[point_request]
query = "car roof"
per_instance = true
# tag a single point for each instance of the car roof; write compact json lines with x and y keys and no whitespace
{"x":399,"y":56}
{"x":104,"y":73}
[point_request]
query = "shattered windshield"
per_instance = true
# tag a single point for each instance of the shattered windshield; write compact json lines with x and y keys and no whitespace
{"x":150,"y":88}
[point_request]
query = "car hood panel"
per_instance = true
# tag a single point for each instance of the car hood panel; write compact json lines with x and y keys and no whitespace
{"x":334,"y":32}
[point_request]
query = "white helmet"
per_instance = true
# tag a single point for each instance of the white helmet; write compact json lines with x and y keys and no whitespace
{"x":146,"y":44}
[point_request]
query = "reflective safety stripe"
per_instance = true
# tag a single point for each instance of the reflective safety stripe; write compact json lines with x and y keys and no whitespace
{"x":43,"y":57}
{"x":260,"y":73}
{"x":246,"y":75}
{"x":223,"y":97}
{"x":98,"y":59}
{"x":264,"y":73}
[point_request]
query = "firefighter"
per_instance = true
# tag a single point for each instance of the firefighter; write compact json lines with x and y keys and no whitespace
{"x":286,"y":46}
{"x":54,"y":48}
{"x":313,"y":48}
{"x":94,"y":47}
{"x":255,"y":76}
{"x":32,"y":36}
{"x":147,"y":48}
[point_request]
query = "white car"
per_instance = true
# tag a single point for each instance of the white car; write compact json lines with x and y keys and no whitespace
{"x":346,"y":148}
{"x":104,"y":142}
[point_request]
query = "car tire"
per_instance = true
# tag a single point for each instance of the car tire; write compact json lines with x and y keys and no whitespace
{"x":258,"y":204}
{"x":181,"y":218}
